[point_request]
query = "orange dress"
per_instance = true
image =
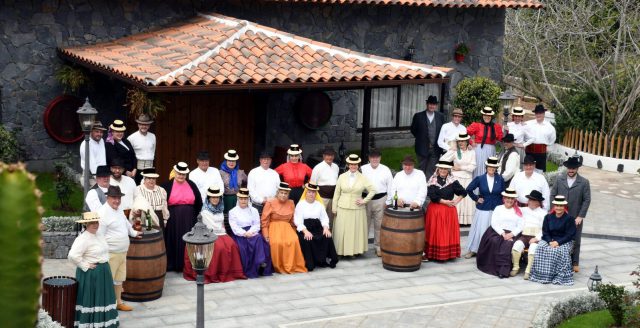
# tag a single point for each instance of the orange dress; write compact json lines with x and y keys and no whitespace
{"x":278,"y":228}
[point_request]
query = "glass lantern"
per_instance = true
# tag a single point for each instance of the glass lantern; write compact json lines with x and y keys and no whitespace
{"x":594,"y":281}
{"x":200,"y":242}
{"x":86,"y":115}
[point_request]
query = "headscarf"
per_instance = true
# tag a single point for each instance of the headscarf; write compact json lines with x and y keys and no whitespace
{"x":304,"y":197}
{"x":110,"y":137}
{"x":219,"y":209}
{"x":233,"y":180}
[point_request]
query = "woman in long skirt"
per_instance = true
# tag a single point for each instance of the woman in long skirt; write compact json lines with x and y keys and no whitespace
{"x":294,"y":172}
{"x":552,"y":261}
{"x":312,"y":223}
{"x":254,"y":250}
{"x":442,"y":231}
{"x":485,"y":135}
{"x":232,"y":177}
{"x":490,"y":187}
{"x":279,"y":231}
{"x":225,"y":264}
{"x":350,"y":224}
{"x":464,"y":163}
{"x":185,"y":203}
{"x":96,"y":299}
{"x":494,"y":253}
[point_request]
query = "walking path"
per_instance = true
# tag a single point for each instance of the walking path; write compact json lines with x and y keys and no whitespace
{"x":360,"y":293}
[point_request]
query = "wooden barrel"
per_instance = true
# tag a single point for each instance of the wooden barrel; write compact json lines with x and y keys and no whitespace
{"x":146,"y":268}
{"x":402,"y":239}
{"x":59,"y":298}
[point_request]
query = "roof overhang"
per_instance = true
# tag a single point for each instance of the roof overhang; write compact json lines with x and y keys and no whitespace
{"x":503,"y":4}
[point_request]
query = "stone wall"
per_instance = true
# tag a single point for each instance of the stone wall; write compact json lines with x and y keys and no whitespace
{"x":56,"y":245}
{"x":32,"y":30}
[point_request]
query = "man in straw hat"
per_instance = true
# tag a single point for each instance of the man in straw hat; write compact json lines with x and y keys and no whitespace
{"x":97,"y":150}
{"x":519,"y":130}
{"x":410,"y":185}
{"x":325,"y":175}
{"x":451,"y":130}
{"x":144,"y":145}
{"x":381,"y":178}
{"x":116,"y":229}
{"x":542,"y":134}
{"x":527,"y":179}
{"x":425,"y":127}
{"x":205,"y":176}
{"x":577,"y":191}
{"x":263,"y":182}
{"x":97,"y":194}
{"x":509,"y":160}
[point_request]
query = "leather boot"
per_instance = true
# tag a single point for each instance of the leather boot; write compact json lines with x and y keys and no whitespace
{"x":120,"y":306}
{"x":515,"y":258}
{"x":527,"y":271}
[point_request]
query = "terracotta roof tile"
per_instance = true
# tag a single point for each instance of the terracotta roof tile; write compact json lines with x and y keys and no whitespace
{"x":215,"y":50}
{"x":534,"y":4}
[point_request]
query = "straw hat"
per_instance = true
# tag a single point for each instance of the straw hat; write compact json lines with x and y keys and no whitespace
{"x":517,"y":111}
{"x":150,"y":172}
{"x":353,"y":159}
{"x":559,"y":200}
{"x":243,"y":193}
{"x":463,"y":137}
{"x":492,"y":162}
{"x":294,"y":149}
{"x":89,"y":217}
{"x":487,"y":111}
{"x":284,"y":186}
{"x":231,"y":155}
{"x":510,"y":192}
{"x":444,"y":164}
{"x":311,"y":186}
{"x":214,"y":191}
{"x":118,"y":125}
{"x":181,"y":167}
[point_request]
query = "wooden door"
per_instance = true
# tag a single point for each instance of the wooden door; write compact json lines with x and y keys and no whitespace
{"x":212,"y":122}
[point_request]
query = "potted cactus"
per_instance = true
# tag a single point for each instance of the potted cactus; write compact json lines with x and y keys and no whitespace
{"x":461,"y":50}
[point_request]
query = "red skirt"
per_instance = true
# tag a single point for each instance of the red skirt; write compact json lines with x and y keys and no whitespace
{"x":442,"y":232}
{"x":225,"y":264}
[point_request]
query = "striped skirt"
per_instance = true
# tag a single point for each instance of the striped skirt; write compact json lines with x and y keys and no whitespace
{"x":467,"y":206}
{"x":553,"y":265}
{"x":481,"y":156}
{"x":96,"y":302}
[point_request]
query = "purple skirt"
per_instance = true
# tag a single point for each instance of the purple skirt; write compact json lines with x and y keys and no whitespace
{"x":180,"y":222}
{"x":494,"y":254}
{"x":255,"y":255}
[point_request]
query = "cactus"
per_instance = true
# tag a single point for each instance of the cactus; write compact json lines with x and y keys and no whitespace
{"x":20,"y":246}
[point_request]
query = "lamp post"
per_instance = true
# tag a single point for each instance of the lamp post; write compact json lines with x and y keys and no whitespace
{"x":86,"y":115}
{"x":506,"y":100}
{"x":594,"y":281}
{"x":200,"y":242}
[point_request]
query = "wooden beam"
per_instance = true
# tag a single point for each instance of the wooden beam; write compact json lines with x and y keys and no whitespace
{"x":366,"y":124}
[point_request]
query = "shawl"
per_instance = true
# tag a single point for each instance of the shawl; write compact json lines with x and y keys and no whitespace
{"x":233,"y":179}
{"x":212,"y":208}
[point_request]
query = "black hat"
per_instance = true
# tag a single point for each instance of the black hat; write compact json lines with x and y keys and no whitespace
{"x":114,"y":191}
{"x":374,"y":152}
{"x":284,"y":186}
{"x":408,"y":160}
{"x":529,"y":160}
{"x":116,"y":162}
{"x":572,"y":162}
{"x":203,"y":155}
{"x":328,"y":150}
{"x":508,"y":138}
{"x":539,"y":109}
{"x":535,"y":195}
{"x":265,"y":154}
{"x":432,"y":100}
{"x":102,"y":171}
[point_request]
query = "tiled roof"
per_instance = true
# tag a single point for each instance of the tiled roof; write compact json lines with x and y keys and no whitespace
{"x":436,"y":3}
{"x":215,"y":50}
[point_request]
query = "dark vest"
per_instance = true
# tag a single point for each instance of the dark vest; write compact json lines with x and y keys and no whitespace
{"x":431,"y":131}
{"x":505,"y":158}
{"x":101,"y":196}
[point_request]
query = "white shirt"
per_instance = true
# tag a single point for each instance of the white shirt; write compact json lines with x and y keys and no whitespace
{"x":570,"y":181}
{"x":92,"y":199}
{"x":214,"y":222}
{"x":523,"y":186}
{"x":88,"y":248}
{"x":449,"y":132}
{"x":533,"y":220}
{"x":143,"y":145}
{"x":540,"y":133}
{"x":519,"y":132}
{"x":430,"y":116}
{"x":380,"y":177}
{"x":127,"y":187}
{"x":411,"y":188}
{"x":97,"y":154}
{"x":243,"y":217}
{"x":324,"y":174}
{"x":466,"y":164}
{"x":115,"y":228}
{"x":512,"y":167}
{"x":506,"y":219}
{"x":305,"y":210}
{"x":207,"y":179}
{"x":490,"y":181}
{"x":262,"y":184}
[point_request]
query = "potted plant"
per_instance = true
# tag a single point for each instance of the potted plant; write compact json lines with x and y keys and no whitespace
{"x":461,"y":50}
{"x":140,"y":102}
{"x":72,"y":78}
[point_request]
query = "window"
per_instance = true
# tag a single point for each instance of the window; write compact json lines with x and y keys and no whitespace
{"x":388,"y":113}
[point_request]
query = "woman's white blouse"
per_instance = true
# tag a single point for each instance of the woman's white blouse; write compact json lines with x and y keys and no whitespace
{"x":88,"y":248}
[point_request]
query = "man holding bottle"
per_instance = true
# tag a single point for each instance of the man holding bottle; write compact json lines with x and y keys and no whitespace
{"x":380,"y":176}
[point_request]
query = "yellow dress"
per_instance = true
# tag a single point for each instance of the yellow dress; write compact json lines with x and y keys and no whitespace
{"x":350,"y":225}
{"x":278,"y":228}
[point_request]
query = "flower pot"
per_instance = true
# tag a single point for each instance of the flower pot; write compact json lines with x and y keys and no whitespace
{"x":459,"y":58}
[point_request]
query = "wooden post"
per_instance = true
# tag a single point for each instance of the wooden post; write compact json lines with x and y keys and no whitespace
{"x":599,"y":149}
{"x":366,"y":123}
{"x":580,"y":140}
{"x":606,"y":145}
{"x":624,"y":147}
{"x":630,"y":156}
{"x":590,"y":142}
{"x":618,"y":147}
{"x":573,"y":138}
{"x":638,"y":148}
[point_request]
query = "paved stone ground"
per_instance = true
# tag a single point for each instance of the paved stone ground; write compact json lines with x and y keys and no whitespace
{"x":360,"y":293}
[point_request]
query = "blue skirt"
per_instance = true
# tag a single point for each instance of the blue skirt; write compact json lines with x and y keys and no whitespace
{"x":553,"y":265}
{"x":255,"y":255}
{"x":481,"y":222}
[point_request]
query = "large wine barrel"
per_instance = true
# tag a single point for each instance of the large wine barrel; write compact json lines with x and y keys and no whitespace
{"x":146,"y":268}
{"x":402,"y":239}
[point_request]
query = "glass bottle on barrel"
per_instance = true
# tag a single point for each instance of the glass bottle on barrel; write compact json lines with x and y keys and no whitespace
{"x":149,"y":227}
{"x":395,"y":200}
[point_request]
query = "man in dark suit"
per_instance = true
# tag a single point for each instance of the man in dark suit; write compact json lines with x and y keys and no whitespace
{"x":425,"y":127}
{"x":578,"y":193}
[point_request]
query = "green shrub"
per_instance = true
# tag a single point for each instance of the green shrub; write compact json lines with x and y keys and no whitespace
{"x":614,"y":297}
{"x":473,"y":94}
{"x":585,"y":111}
{"x":9,"y":148}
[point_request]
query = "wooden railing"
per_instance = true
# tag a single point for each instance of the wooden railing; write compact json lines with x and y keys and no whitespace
{"x":598,"y":143}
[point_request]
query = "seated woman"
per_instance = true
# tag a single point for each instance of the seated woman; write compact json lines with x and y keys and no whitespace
{"x":312,"y":223}
{"x":254,"y":250}
{"x":494,"y":253}
{"x":533,"y":216}
{"x":442,"y":230}
{"x":225,"y":264}
{"x":96,"y":299}
{"x":278,"y":230}
{"x":552,"y":261}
